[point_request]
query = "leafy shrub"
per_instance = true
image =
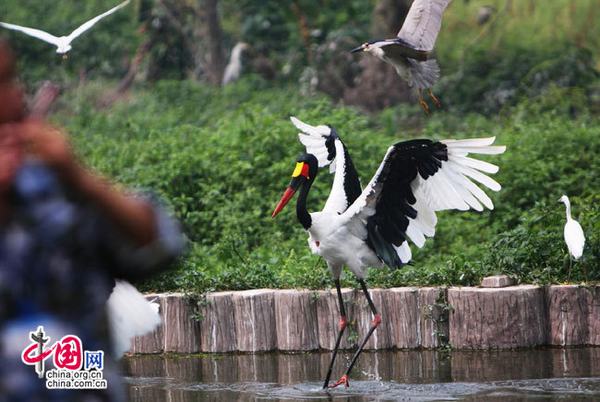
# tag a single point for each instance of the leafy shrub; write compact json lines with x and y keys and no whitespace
{"x":223,"y":158}
{"x":534,"y":251}
{"x":489,"y":81}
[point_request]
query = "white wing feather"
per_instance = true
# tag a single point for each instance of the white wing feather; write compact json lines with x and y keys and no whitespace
{"x":87,"y":25}
{"x":449,"y":188}
{"x":36,"y":33}
{"x":423,"y":23}
{"x":129,"y":315}
{"x":313,"y":138}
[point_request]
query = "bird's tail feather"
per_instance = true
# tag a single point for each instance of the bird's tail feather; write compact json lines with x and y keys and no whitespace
{"x":423,"y":74}
{"x":129,"y":315}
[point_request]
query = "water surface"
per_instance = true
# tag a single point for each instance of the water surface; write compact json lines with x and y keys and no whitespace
{"x":532,"y":375}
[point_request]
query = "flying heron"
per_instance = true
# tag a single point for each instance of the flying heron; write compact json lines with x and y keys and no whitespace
{"x":62,"y":43}
{"x":371,"y":227}
{"x":411,"y":51}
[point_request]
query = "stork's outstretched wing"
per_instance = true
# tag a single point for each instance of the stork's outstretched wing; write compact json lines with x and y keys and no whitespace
{"x":415,"y":179}
{"x":324,"y":143}
{"x":87,"y":25}
{"x":36,"y":33}
{"x":423,"y":23}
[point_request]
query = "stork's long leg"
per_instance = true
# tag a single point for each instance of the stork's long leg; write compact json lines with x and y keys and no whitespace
{"x":374,"y":324}
{"x":343,"y":324}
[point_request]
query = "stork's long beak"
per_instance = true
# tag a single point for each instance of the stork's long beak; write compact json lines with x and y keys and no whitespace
{"x":357,"y":49}
{"x":298,"y":176}
{"x":285,"y":198}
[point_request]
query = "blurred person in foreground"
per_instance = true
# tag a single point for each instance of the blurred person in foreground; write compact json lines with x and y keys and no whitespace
{"x":65,"y":233}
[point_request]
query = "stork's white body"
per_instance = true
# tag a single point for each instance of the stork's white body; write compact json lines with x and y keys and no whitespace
{"x":573,"y":232}
{"x":330,"y":238}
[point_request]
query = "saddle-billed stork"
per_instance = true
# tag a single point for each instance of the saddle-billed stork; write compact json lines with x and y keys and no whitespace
{"x":371,"y":227}
{"x":410,"y":52}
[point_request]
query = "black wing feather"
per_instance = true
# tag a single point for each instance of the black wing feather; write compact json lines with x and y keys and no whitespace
{"x":399,"y":48}
{"x":352,"y":186}
{"x":387,"y":227}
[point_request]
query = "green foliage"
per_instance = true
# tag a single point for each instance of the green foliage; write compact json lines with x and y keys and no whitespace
{"x":222,"y":158}
{"x":534,"y":250}
{"x":491,"y":80}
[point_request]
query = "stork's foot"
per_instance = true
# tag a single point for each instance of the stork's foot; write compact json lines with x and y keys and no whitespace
{"x":376,"y":320}
{"x":343,"y":380}
{"x":435,"y":99}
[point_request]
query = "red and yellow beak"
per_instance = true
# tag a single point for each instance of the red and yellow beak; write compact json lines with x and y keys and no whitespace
{"x":287,"y":196}
{"x":300,"y":171}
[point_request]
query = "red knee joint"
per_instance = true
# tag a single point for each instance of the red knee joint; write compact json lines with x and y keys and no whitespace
{"x":343,"y":323}
{"x":376,"y":320}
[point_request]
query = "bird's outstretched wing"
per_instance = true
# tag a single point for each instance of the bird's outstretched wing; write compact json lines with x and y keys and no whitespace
{"x":87,"y":25}
{"x":325,"y":144}
{"x":36,"y":33}
{"x":423,"y":23}
{"x":415,"y":179}
{"x":396,"y":49}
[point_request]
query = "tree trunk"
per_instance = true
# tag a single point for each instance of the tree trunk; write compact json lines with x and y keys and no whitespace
{"x":215,"y":57}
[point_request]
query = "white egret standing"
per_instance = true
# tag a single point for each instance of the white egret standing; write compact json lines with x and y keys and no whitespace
{"x":371,"y":227}
{"x":62,"y":43}
{"x":573,"y":233}
{"x":233,"y":71}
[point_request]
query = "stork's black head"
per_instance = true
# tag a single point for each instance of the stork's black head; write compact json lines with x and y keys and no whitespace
{"x":305,"y":171}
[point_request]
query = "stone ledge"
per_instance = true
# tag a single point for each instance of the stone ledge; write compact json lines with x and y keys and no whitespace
{"x":413,"y":318}
{"x":497,"y":281}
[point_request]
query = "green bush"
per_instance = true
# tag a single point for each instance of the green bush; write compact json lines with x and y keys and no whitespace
{"x":490,"y":80}
{"x":535,"y":251}
{"x":222,"y":158}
